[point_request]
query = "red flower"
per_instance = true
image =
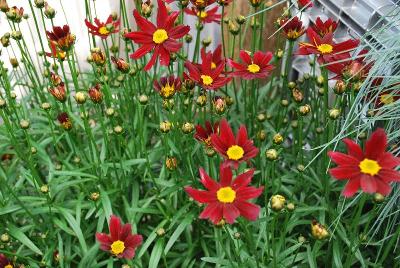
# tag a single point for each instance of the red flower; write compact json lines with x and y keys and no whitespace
{"x":103,"y":29}
{"x":204,"y":134}
{"x":292,"y":29}
{"x":387,"y":98}
{"x":61,"y":37}
{"x":227,"y":199}
{"x":304,"y":3}
{"x":372,"y":170}
{"x":95,"y":94}
{"x":324,"y":27}
{"x":121,"y":242}
{"x":4,"y":262}
{"x":58,"y":92}
{"x":352,"y":70}
{"x":251,"y":68}
{"x":216,"y":56}
{"x":205,"y":75}
{"x":205,"y":16}
{"x":55,"y":52}
{"x":168,"y":86}
{"x":234,"y":149}
{"x":326,"y":49}
{"x":161,"y":38}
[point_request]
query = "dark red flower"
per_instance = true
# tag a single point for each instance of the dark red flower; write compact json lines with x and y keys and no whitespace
{"x":4,"y":262}
{"x":372,"y":170}
{"x":61,"y":37}
{"x":234,"y":149}
{"x":120,"y":242}
{"x":205,"y":16}
{"x":65,"y":121}
{"x":327,"y":50}
{"x":252,"y":68}
{"x":304,"y":3}
{"x":58,"y":92}
{"x":324,"y":27}
{"x":120,"y":64}
{"x":161,"y":38}
{"x":95,"y":94}
{"x":167,"y":86}
{"x":216,"y":56}
{"x":292,"y":28}
{"x":204,"y":134}
{"x":226,"y":200}
{"x":103,"y":29}
{"x":205,"y":75}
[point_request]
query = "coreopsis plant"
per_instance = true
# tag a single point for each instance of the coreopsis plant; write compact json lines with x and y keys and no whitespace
{"x":204,"y":15}
{"x":61,"y":37}
{"x":203,"y":134}
{"x":103,"y":29}
{"x":252,"y":67}
{"x":324,"y":27}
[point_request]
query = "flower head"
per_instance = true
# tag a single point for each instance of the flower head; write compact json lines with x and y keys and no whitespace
{"x":216,"y":56}
{"x":65,"y":121}
{"x":203,"y":134}
{"x":15,"y":14}
{"x":252,"y":67}
{"x":4,"y":262}
{"x":304,"y":3}
{"x":324,"y":27}
{"x":161,"y":38}
{"x":228,"y":199}
{"x":234,"y":149}
{"x":167,"y":86}
{"x":202,"y":4}
{"x":120,"y":242}
{"x":61,"y":37}
{"x":371,"y":170}
{"x":95,"y":94}
{"x":58,"y":92}
{"x":205,"y":16}
{"x":293,"y":28}
{"x":103,"y":29}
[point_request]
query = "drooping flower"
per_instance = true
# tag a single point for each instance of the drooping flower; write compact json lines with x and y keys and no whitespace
{"x":103,"y":29}
{"x":252,"y":67}
{"x":372,"y":170}
{"x":121,"y":64}
{"x":304,"y":3}
{"x":205,"y":16}
{"x":324,"y":27}
{"x":162,"y":39}
{"x":61,"y":37}
{"x":292,"y":28}
{"x":121,"y":243}
{"x":228,"y":199}
{"x":327,"y":50}
{"x":204,"y":134}
{"x":95,"y":94}
{"x":167,"y":86}
{"x":234,"y":149}
{"x":205,"y":75}
{"x":58,"y":92}
{"x":65,"y":121}
{"x":4,"y":262}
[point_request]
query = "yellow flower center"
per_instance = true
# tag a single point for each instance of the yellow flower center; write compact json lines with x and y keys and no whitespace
{"x":253,"y":68}
{"x":292,"y":34}
{"x":325,"y":48}
{"x":226,"y":195}
{"x":103,"y":30}
{"x":202,"y":14}
{"x":387,"y":99}
{"x":235,"y":152}
{"x":117,"y":247}
{"x":167,"y":91}
{"x":8,"y":266}
{"x":207,"y":80}
{"x":159,"y":36}
{"x":368,"y":166}
{"x":213,"y":65}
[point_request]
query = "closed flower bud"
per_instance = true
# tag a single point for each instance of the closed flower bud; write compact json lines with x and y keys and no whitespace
{"x":5,"y":238}
{"x":65,"y":121}
{"x":165,"y":126}
{"x":188,"y":38}
{"x":14,"y":62}
{"x":33,"y":150}
{"x":320,"y":81}
{"x":201,"y":100}
{"x":318,"y":230}
{"x":233,"y":27}
{"x":44,"y":188}
{"x":261,"y":117}
{"x":254,"y":23}
{"x":356,"y":86}
{"x":110,"y":112}
{"x":24,"y":124}
{"x":118,"y":129}
{"x":229,"y":100}
{"x":291,"y":85}
{"x":168,"y":104}
{"x":277,"y":202}
{"x":284,"y":103}
{"x":304,"y":109}
{"x":279,"y":53}
{"x":143,"y":99}
{"x":49,"y":12}
{"x":46,"y":106}
{"x":187,"y":128}
{"x":301,"y":239}
{"x":321,"y":91}
{"x":294,"y":123}
{"x":39,"y":3}
{"x":370,"y":113}
{"x":171,"y":163}
{"x":362,"y":135}
{"x":255,"y":3}
{"x":13,"y":95}
{"x":160,"y":231}
{"x":59,"y":92}
{"x":98,"y":57}
{"x":126,"y":266}
{"x":95,"y":94}
{"x":16,"y":35}
{"x":271,"y":154}
{"x":76,"y":159}
{"x":206,"y":41}
{"x":319,"y":130}
{"x":55,"y":79}
{"x":340,"y":87}
{"x":261,"y":135}
{"x":278,"y":138}
{"x":4,"y":6}
{"x":94,"y":196}
{"x":5,"y":41}
{"x":240,"y":19}
{"x":300,"y":168}
{"x":147,"y":8}
{"x":188,"y":84}
{"x":297,"y":95}
{"x":210,"y":152}
{"x":379,"y":198}
{"x":290,"y":207}
{"x":3,"y":103}
{"x":80,"y":97}
{"x":334,"y":114}
{"x":219,"y":105}
{"x":121,"y":64}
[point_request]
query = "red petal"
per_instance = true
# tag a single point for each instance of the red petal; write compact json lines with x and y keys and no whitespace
{"x":128,"y":253}
{"x":225,"y":175}
{"x":213,"y":212}
{"x":245,"y":57}
{"x":207,"y":181}
{"x":368,"y":183}
{"x":142,"y":23}
{"x":241,"y":138}
{"x":247,"y":193}
{"x":162,"y":14}
{"x":243,"y":179}
{"x":230,"y":213}
{"x":389,"y":175}
{"x":248,"y":210}
{"x":351,"y":187}
{"x":125,"y":231}
{"x":143,"y":50}
{"x":354,"y":149}
{"x":343,"y":159}
{"x":103,"y":238}
{"x":178,"y":31}
{"x":115,"y":227}
{"x":344,"y":172}
{"x":201,"y":196}
{"x":376,"y":144}
{"x":133,"y":241}
{"x":383,"y":187}
{"x":388,"y":161}
{"x":153,"y":59}
{"x":226,"y":132}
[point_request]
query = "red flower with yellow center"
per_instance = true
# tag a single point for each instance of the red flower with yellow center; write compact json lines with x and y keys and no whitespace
{"x":205,"y":75}
{"x":371,"y":170}
{"x":234,"y":149}
{"x":61,"y":37}
{"x":328,"y":51}
{"x":103,"y":29}
{"x":167,"y":86}
{"x":324,"y":27}
{"x":228,"y":199}
{"x":293,"y":28}
{"x":205,"y":16}
{"x":216,"y":56}
{"x":161,"y":38}
{"x":252,"y":68}
{"x":121,"y":242}
{"x":204,"y":134}
{"x":4,"y":262}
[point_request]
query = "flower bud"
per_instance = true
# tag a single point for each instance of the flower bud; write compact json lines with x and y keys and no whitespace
{"x":219,"y":105}
{"x":210,"y":152}
{"x":291,"y":85}
{"x":334,"y":114}
{"x":320,"y":81}
{"x":340,"y":87}
{"x":143,"y":99}
{"x":118,"y":129}
{"x":95,"y":94}
{"x":165,"y":126}
{"x":168,"y":104}
{"x":188,"y":38}
{"x":44,"y":188}
{"x":271,"y":154}
{"x":255,"y":3}
{"x":121,"y":64}
{"x":16,"y":35}
{"x":187,"y":128}
{"x":261,"y":117}
{"x":233,"y":27}
{"x":65,"y":121}
{"x":318,"y":230}
{"x":24,"y":124}
{"x":301,"y":239}
{"x":171,"y":163}
{"x":277,"y":202}
{"x":39,"y":3}
{"x":14,"y":62}
{"x":279,"y":53}
{"x":76,"y":159}
{"x":33,"y":150}
{"x":261,"y":135}
{"x":94,"y":196}
{"x":201,"y":100}
{"x":290,"y":206}
{"x":284,"y":103}
{"x":240,"y":19}
{"x":297,"y":95}
{"x":206,"y":41}
{"x":46,"y":106}
{"x":49,"y":12}
{"x":304,"y":110}
{"x":160,"y":231}
{"x":59,"y":92}
{"x":80,"y":97}
{"x":3,"y":103}
{"x":278,"y":138}
{"x":379,"y":198}
{"x":5,"y":238}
